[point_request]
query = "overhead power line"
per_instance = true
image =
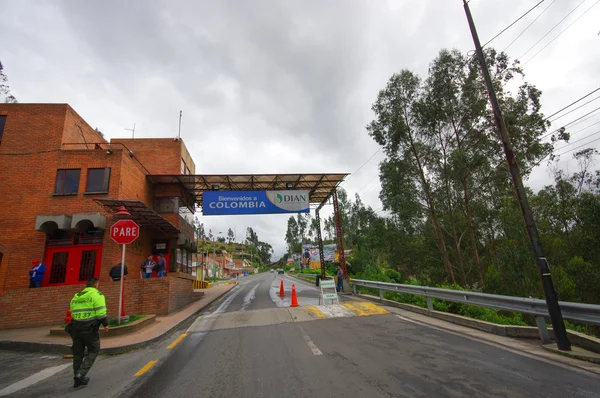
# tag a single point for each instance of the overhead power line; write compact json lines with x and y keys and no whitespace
{"x":585,"y":128}
{"x":502,"y":31}
{"x":364,"y":186}
{"x":529,"y":26}
{"x":363,"y":165}
{"x":572,"y":123}
{"x":509,"y":26}
{"x":573,"y":110}
{"x":550,"y":31}
{"x":580,"y":146}
{"x":563,"y":31}
{"x":573,"y":103}
{"x":579,"y":140}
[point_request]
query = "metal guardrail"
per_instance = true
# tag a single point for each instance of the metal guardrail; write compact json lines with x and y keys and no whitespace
{"x":584,"y":313}
{"x":308,"y":276}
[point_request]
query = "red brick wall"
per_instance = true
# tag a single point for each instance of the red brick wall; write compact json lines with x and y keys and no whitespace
{"x":27,"y":193}
{"x":180,"y":292}
{"x":32,"y":127}
{"x":27,"y":307}
{"x":158,"y":155}
{"x":77,"y":130}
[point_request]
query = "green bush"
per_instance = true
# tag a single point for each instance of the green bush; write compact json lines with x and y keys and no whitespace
{"x":112,"y":322}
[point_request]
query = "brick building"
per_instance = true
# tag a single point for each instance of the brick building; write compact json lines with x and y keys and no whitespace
{"x":62,"y":182}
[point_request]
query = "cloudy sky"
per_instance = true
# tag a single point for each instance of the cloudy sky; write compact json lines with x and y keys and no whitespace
{"x":278,"y":86}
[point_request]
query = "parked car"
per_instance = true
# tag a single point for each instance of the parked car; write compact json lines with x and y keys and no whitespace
{"x":280,"y":272}
{"x":271,"y":270}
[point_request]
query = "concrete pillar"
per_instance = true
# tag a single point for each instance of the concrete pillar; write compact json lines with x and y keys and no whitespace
{"x":541,"y":325}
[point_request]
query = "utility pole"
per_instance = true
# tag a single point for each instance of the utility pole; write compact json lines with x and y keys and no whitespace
{"x":556,"y":318}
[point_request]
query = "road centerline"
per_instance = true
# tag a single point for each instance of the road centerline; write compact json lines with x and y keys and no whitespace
{"x":315,"y":350}
{"x":176,"y":341}
{"x":146,"y":368}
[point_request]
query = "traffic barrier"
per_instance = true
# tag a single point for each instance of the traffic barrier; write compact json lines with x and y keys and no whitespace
{"x":281,"y":292}
{"x":294,"y":298}
{"x":202,"y":284}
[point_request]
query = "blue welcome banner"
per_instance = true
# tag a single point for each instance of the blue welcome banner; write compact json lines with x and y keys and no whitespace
{"x":216,"y":203}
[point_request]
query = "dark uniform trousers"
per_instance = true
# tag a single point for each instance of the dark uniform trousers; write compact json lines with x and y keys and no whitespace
{"x":84,"y":336}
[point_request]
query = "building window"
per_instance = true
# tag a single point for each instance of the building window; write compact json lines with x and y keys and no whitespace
{"x":87,"y":265}
{"x":2,"y":123}
{"x":187,"y":170}
{"x":67,"y":181}
{"x":183,"y":166}
{"x":97,"y":180}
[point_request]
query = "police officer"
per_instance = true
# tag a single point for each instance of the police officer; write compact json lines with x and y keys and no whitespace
{"x":88,"y":308}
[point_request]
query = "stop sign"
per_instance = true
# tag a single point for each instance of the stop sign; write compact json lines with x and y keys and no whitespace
{"x":124,"y":232}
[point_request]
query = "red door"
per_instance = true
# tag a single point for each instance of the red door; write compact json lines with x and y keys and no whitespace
{"x":71,"y":265}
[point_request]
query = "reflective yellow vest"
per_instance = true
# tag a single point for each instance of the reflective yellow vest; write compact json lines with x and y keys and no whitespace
{"x":87,"y":305}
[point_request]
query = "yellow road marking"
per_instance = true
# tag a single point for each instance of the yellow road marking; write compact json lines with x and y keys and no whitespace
{"x":364,"y":308}
{"x":145,"y":368}
{"x":173,"y":344}
{"x":314,"y":311}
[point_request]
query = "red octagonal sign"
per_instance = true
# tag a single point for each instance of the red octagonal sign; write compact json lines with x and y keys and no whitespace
{"x":124,"y":232}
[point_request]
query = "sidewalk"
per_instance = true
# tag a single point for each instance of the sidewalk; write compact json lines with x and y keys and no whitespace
{"x":38,"y":339}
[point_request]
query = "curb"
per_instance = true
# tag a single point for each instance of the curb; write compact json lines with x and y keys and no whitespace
{"x":571,"y":354}
{"x":55,"y":348}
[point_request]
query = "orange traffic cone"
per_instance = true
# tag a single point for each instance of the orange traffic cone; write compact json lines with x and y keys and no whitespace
{"x":281,"y":292}
{"x":294,"y":298}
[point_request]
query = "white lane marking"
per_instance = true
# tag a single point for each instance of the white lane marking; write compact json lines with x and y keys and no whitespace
{"x":249,"y":297}
{"x":203,"y":322}
{"x":310,"y":343}
{"x":31,"y":380}
{"x":228,"y":301}
{"x":335,"y":311}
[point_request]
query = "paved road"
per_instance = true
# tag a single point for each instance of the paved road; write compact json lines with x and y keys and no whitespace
{"x":370,"y":356}
{"x":251,"y":345}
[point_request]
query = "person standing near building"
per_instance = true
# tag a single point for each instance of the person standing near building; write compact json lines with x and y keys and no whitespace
{"x":88,"y":309}
{"x":147,"y":267}
{"x":340,"y":278}
{"x":36,"y":274}
{"x":161,"y":266}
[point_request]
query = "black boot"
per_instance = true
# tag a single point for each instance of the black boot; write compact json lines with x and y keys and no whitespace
{"x":80,"y":381}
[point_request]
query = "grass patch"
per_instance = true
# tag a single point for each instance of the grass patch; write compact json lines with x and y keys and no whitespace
{"x":132,"y":318}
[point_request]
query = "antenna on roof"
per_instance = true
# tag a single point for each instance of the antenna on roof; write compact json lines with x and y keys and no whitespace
{"x":179,"y":131}
{"x":132,"y":131}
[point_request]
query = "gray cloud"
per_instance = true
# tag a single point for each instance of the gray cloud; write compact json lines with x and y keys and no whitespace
{"x":267,"y":86}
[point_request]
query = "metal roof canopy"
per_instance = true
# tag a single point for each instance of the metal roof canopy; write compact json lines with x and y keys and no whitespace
{"x":146,"y":217}
{"x":319,"y":186}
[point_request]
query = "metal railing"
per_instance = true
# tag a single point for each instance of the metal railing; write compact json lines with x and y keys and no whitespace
{"x":584,"y":313}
